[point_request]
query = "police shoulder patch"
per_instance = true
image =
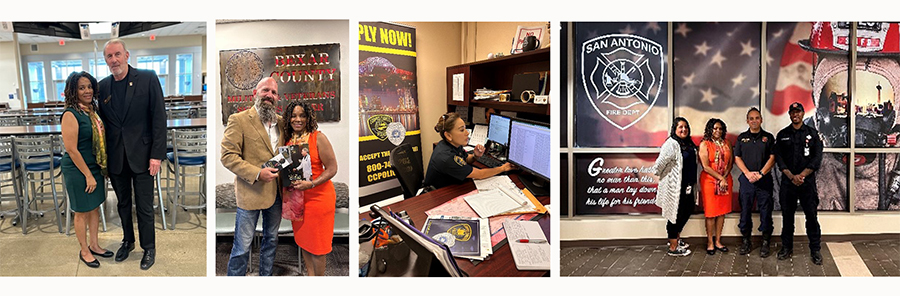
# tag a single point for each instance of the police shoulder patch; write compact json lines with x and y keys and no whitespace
{"x":459,"y":160}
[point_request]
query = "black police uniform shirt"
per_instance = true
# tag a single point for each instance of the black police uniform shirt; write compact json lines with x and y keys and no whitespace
{"x":798,"y":149}
{"x":448,"y":166}
{"x":754,"y":149}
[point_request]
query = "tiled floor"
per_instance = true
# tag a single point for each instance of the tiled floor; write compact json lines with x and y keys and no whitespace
{"x":881,"y":258}
{"x":43,"y":251}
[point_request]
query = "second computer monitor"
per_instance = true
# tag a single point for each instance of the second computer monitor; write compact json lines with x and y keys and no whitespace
{"x":529,"y":147}
{"x":498,"y":130}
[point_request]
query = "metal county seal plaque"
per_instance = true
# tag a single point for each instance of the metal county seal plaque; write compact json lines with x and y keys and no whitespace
{"x":622,"y":76}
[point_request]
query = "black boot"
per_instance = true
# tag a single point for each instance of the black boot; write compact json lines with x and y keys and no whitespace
{"x":746,"y":245}
{"x":764,"y":250}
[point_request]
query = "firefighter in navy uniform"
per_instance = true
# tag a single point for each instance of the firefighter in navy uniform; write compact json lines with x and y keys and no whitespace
{"x":798,"y":152}
{"x":754,"y":155}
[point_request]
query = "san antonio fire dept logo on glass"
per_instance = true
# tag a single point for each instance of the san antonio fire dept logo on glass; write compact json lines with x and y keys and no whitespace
{"x":622,"y":76}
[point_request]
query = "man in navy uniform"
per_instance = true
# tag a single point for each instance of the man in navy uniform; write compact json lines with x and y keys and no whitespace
{"x":754,"y":155}
{"x":798,"y":151}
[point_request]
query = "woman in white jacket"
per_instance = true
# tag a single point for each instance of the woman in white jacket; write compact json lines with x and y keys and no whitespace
{"x":677,"y":171}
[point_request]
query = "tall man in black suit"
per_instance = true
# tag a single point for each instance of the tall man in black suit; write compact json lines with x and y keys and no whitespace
{"x":133,"y":110}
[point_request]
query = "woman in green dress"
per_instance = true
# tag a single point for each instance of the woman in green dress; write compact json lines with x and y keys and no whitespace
{"x":84,"y":164}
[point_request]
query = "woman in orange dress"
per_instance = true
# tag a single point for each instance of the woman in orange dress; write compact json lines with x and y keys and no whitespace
{"x":312,"y":233}
{"x":715,"y":182}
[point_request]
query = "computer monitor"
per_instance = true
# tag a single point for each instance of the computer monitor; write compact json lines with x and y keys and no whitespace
{"x":498,"y":130}
{"x":529,"y":149}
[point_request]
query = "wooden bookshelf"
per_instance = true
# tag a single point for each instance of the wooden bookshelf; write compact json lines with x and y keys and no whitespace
{"x":497,"y":74}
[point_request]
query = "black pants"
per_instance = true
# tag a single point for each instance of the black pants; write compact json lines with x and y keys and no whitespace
{"x":808,"y":196}
{"x":685,"y":209}
{"x":142,"y":183}
{"x":761,"y":192}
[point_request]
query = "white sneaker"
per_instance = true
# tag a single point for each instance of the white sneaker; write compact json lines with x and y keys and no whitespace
{"x":681,"y":244}
{"x":678,"y":252}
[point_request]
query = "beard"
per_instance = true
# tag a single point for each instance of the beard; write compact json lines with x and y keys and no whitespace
{"x":266,"y":111}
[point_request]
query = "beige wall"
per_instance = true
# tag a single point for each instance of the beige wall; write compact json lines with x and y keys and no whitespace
{"x":132,"y":43}
{"x":482,"y":38}
{"x":8,"y":74}
{"x":203,"y":63}
{"x":440,"y":45}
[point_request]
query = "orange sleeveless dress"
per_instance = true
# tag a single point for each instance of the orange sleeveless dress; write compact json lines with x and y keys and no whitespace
{"x":315,"y":231}
{"x":716,"y":203}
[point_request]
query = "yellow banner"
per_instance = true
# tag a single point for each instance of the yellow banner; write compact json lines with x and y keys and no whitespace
{"x":373,"y":137}
{"x":375,"y":49}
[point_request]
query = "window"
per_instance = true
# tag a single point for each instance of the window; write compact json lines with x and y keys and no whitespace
{"x":184,"y":68}
{"x":37,"y":92}
{"x":61,"y":71}
{"x":101,"y":71}
{"x":158,"y":63}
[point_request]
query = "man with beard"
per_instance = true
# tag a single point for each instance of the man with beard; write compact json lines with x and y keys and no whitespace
{"x":250,"y":140}
{"x":798,"y":151}
{"x":133,"y":111}
{"x":754,"y":155}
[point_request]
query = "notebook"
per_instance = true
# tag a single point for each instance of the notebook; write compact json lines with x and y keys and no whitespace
{"x":533,"y":254}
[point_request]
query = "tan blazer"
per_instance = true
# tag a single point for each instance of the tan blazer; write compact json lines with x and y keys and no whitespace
{"x":245,"y":148}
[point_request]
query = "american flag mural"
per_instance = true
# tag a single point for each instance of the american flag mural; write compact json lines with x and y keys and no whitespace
{"x":716,"y":74}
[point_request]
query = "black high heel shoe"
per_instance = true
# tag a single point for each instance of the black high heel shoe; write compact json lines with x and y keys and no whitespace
{"x":723,"y":249}
{"x":711,"y":252}
{"x":105,"y":254}
{"x":92,"y":264}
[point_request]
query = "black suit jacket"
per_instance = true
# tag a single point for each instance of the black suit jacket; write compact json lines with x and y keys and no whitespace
{"x":141,"y":129}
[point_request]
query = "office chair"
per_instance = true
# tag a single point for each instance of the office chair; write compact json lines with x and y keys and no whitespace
{"x":408,"y":169}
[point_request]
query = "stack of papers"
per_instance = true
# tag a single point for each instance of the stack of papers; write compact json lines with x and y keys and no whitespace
{"x":501,"y":186}
{"x":528,"y":245}
{"x":467,"y":237}
{"x":492,"y":203}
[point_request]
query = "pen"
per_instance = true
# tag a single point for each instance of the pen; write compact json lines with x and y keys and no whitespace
{"x":533,"y":241}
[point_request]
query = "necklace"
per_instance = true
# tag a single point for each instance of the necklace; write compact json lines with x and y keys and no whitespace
{"x":300,"y":138}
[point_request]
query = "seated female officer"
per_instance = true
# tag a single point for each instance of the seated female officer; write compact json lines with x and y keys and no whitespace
{"x":450,"y":164}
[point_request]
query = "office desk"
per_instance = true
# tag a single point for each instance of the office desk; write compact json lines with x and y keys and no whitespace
{"x":501,"y":262}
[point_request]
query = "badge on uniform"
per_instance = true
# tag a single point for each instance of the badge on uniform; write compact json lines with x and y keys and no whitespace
{"x":687,"y":190}
{"x":764,"y":139}
{"x":745,"y":140}
{"x":459,"y":160}
{"x":805,"y":151}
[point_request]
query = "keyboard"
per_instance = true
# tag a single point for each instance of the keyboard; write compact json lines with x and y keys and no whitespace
{"x":489,"y":161}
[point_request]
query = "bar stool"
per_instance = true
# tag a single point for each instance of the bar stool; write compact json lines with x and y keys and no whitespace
{"x":189,"y":151}
{"x":8,"y":167}
{"x":36,"y":157}
{"x":9,"y":121}
{"x":36,"y":120}
{"x":179,"y":114}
